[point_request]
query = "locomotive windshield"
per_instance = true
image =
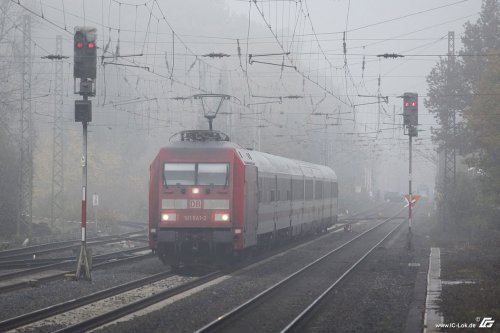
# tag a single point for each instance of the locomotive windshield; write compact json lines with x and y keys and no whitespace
{"x":180,"y":174}
{"x":212,"y":173}
{"x":196,"y":174}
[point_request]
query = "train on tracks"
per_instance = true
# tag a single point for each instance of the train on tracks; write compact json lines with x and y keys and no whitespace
{"x":211,"y":200}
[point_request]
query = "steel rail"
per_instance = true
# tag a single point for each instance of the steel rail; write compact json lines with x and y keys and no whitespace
{"x":297,"y":323}
{"x":26,"y":263}
{"x":52,"y":246}
{"x":26,"y":255}
{"x":118,"y":313}
{"x":53,"y":310}
{"x":105,"y":318}
{"x":27,"y":283}
{"x":110,"y":316}
{"x":44,"y":262}
{"x":355,"y":214}
{"x":64,"y":262}
{"x":222,"y":320}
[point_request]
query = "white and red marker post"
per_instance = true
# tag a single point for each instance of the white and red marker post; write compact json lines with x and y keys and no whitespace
{"x":83,"y":267}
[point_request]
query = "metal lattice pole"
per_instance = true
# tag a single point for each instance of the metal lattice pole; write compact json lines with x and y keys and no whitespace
{"x":450,"y":132}
{"x":57,"y":141}
{"x":24,"y":216}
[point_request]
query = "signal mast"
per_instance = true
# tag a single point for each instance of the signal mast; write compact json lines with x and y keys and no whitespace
{"x":84,"y":69}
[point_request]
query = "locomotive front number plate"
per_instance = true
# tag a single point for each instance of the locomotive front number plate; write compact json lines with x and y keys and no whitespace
{"x":194,"y":203}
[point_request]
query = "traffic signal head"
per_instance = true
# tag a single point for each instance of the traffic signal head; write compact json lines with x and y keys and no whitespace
{"x":85,"y":61}
{"x":83,"y":111}
{"x":410,"y":109}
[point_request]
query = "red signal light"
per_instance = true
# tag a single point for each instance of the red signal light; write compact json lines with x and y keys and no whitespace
{"x":407,"y":103}
{"x":90,"y":45}
{"x":413,"y":103}
{"x":79,"y":45}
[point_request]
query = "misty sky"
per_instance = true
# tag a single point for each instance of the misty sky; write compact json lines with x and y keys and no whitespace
{"x":417,"y":29}
{"x":173,"y":36}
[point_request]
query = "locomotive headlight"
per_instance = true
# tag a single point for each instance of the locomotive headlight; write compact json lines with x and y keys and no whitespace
{"x":169,"y":217}
{"x":221,"y":217}
{"x":153,"y":230}
{"x":196,"y":190}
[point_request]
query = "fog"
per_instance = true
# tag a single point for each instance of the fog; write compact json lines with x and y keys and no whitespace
{"x":299,"y":95}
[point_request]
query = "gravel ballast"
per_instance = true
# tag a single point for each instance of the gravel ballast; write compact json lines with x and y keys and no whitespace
{"x":22,"y":301}
{"x":196,"y":310}
{"x":378,"y":295}
{"x":188,"y":313}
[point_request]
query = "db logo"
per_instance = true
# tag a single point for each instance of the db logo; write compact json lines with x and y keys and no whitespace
{"x":487,"y":322}
{"x":194,"y":203}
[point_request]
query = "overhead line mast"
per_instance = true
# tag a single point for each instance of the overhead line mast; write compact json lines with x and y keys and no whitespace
{"x":24,"y":214}
{"x":57,"y":189}
{"x":449,"y":179}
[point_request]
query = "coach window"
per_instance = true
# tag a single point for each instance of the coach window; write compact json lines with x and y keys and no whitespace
{"x":309,"y":189}
{"x":213,"y":174}
{"x":179,"y":174}
{"x":328,"y":190}
{"x":335,"y":190}
{"x":298,"y":189}
{"x":318,"y":188}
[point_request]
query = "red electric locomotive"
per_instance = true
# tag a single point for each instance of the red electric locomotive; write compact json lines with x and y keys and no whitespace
{"x":210,"y":199}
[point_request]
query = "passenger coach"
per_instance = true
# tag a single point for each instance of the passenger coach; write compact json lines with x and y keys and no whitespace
{"x":210,"y":199}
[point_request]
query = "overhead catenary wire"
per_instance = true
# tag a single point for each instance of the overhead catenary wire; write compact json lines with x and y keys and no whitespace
{"x":297,"y":54}
{"x":297,"y":69}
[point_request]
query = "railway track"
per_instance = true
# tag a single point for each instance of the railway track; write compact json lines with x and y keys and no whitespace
{"x":64,"y":245}
{"x":301,"y":321}
{"x":32,"y":319}
{"x":133,"y":307}
{"x":117,"y":313}
{"x":49,"y":262}
{"x":46,"y":254}
{"x":28,"y":318}
{"x":372,"y":211}
{"x":159,"y":296}
{"x":33,"y":258}
{"x":36,"y":275}
{"x":295,"y":291}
